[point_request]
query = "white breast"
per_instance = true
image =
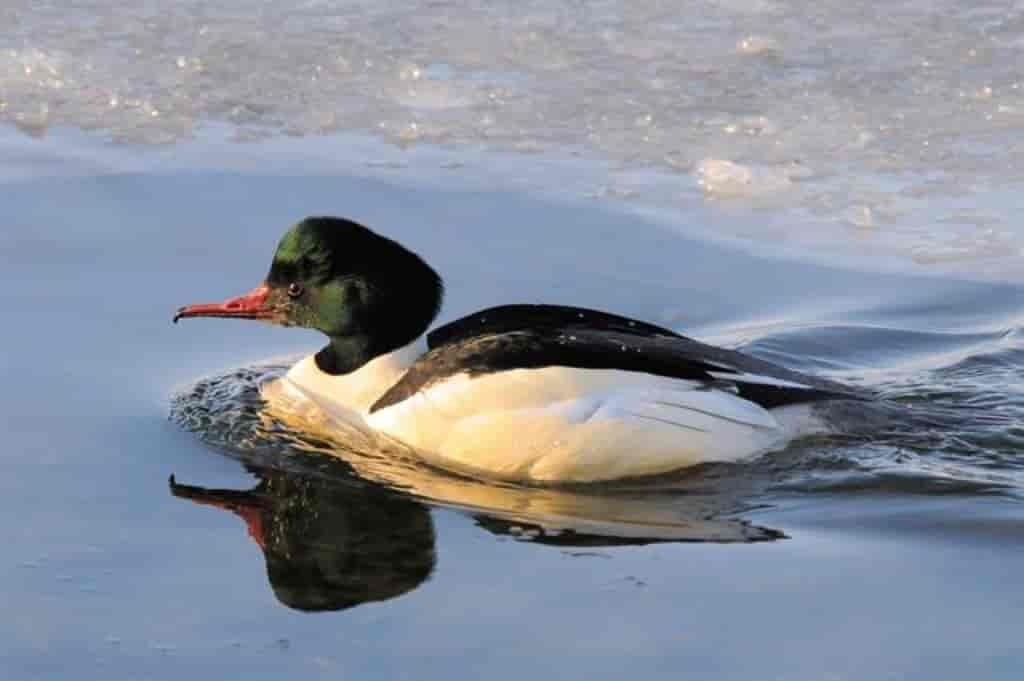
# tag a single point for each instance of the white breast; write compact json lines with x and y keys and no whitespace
{"x":550,"y":424}
{"x":348,"y":396}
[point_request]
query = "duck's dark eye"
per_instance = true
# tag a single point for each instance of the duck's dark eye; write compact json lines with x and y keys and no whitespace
{"x":295,"y":289}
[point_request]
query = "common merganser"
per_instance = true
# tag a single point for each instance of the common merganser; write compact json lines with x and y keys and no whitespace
{"x":530,"y":392}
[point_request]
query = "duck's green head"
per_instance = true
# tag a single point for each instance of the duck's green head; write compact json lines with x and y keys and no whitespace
{"x":336,"y":276}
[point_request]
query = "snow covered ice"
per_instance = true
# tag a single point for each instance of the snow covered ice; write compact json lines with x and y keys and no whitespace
{"x":847,"y":127}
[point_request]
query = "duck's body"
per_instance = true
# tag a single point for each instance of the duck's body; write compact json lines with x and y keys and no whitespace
{"x":565,"y":394}
{"x":536,"y":392}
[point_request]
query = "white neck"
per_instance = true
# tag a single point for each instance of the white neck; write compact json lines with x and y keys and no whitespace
{"x":358,"y":390}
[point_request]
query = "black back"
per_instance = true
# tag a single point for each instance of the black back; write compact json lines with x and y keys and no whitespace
{"x":507,"y":318}
{"x":537,"y":336}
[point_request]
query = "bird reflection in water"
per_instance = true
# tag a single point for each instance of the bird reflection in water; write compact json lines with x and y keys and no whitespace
{"x":328,"y":544}
{"x":332,"y":543}
{"x":344,"y":520}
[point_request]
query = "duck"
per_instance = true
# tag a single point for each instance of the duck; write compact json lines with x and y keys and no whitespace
{"x":541,"y":393}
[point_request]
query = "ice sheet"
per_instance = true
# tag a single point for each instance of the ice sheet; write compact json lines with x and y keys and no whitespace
{"x":859,"y":126}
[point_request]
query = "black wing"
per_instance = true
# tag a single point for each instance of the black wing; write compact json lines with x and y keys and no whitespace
{"x":537,"y":336}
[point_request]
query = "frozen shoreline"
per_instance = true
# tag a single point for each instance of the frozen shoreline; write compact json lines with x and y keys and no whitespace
{"x":844,"y":130}
{"x":570,"y":178}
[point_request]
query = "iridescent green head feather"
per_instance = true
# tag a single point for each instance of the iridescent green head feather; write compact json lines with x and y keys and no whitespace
{"x":347,"y":281}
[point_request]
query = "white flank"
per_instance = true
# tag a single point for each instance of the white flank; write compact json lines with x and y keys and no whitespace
{"x":550,"y":424}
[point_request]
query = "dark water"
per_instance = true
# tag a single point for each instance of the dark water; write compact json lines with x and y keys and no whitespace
{"x":892,"y":549}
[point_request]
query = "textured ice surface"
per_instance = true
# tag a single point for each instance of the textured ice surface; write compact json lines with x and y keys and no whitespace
{"x":862,"y":126}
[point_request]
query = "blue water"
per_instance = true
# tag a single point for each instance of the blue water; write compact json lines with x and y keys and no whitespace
{"x":890,"y":551}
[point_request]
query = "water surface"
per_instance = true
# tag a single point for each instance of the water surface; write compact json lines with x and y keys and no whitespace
{"x":890,"y":550}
